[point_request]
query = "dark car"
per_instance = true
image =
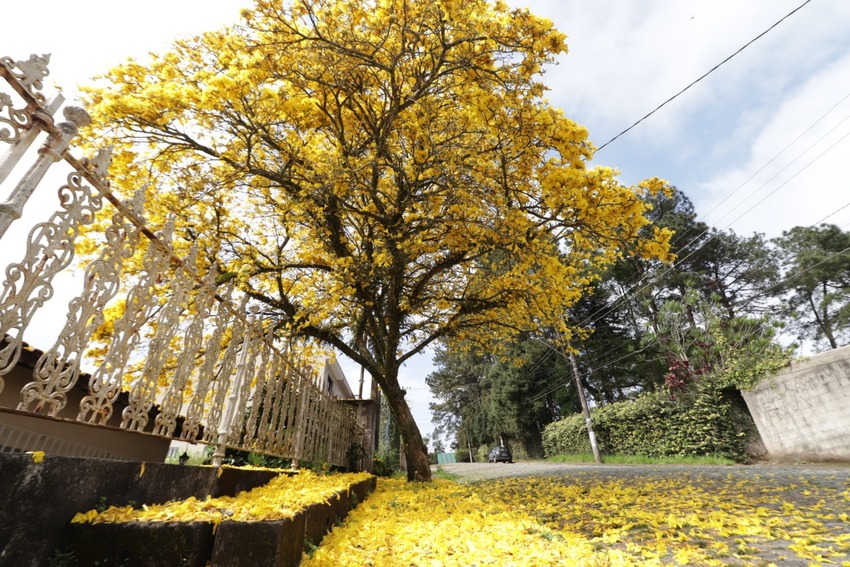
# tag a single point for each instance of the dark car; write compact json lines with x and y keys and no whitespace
{"x":500,"y":455}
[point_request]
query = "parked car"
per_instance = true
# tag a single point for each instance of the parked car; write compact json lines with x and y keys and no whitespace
{"x":500,"y":455}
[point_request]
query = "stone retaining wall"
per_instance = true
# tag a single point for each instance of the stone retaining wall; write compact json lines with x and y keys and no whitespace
{"x":272,"y":543}
{"x":38,"y":500}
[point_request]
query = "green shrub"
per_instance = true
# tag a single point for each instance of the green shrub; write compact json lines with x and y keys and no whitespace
{"x":653,"y":424}
{"x":461,"y":456}
{"x":239,"y":458}
{"x":381,"y":468}
{"x":356,"y":453}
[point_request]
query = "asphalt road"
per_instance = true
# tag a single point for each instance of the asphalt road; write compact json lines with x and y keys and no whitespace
{"x":811,"y":489}
{"x":472,"y":472}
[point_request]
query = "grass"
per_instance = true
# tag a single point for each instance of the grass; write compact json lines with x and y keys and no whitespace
{"x":445,"y":475}
{"x":641,"y":460}
{"x":194,"y":460}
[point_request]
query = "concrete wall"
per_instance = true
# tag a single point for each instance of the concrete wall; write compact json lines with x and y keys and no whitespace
{"x":38,"y":500}
{"x":804,"y":412}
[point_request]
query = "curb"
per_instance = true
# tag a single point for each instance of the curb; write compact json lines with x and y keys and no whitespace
{"x":277,"y":543}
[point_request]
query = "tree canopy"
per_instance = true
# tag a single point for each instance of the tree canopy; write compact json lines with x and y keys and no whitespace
{"x":377,"y":175}
{"x":708,"y":322}
{"x":818,"y":282}
{"x":485,"y":400}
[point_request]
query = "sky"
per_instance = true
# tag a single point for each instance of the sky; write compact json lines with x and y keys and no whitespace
{"x":759,"y":145}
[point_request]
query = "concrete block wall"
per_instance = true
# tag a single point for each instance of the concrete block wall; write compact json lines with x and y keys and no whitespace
{"x":38,"y":500}
{"x":804,"y":412}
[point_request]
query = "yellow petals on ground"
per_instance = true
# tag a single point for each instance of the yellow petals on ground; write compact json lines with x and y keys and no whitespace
{"x":683,"y":519}
{"x":442,"y":523}
{"x":81,"y":518}
{"x":282,"y":497}
{"x":37,"y":456}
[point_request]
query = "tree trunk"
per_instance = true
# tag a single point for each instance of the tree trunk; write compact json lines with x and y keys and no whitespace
{"x":822,"y":319}
{"x":415,"y":452}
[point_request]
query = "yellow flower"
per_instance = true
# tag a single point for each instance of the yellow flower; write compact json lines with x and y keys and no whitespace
{"x":281,"y":498}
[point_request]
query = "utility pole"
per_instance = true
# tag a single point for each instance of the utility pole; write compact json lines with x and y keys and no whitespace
{"x":583,"y":400}
{"x":594,"y":446}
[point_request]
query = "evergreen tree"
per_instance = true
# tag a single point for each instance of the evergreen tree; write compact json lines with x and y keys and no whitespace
{"x":817,"y":285}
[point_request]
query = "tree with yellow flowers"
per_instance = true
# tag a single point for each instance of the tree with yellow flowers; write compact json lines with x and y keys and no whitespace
{"x":378,"y":175}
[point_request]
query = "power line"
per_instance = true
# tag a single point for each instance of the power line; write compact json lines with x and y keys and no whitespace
{"x":784,"y":183}
{"x":832,"y":214}
{"x":603,"y":311}
{"x":705,"y":216}
{"x":539,"y":362}
{"x":646,"y":280}
{"x":631,"y":290}
{"x":710,"y":71}
{"x":591,"y":319}
{"x":764,"y":294}
{"x":777,"y":285}
{"x":553,"y":387}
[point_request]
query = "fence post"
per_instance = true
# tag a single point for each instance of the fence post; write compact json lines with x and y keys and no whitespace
{"x":40,"y":118}
{"x":50,"y":153}
{"x":233,"y":401}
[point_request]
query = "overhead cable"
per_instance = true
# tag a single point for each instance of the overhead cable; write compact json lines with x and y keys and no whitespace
{"x":707,"y":73}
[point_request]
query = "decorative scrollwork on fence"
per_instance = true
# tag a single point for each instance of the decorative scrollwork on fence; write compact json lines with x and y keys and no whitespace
{"x":106,"y":381}
{"x":28,"y":76}
{"x":220,"y":382}
{"x":263,"y":398}
{"x":58,"y":369}
{"x":172,"y":401}
{"x":180,"y":344}
{"x":50,"y":249}
{"x":196,"y":410}
{"x":271,"y":414}
{"x":15,"y":121}
{"x":29,"y":73}
{"x":98,"y":165}
{"x":143,"y":390}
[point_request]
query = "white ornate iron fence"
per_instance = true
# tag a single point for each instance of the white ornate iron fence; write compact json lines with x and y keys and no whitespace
{"x":183,"y":362}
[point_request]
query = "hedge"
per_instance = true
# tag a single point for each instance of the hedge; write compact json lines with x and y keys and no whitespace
{"x":703,"y":423}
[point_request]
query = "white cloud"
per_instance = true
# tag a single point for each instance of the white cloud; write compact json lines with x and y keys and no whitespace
{"x":801,"y":152}
{"x":626,"y":58}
